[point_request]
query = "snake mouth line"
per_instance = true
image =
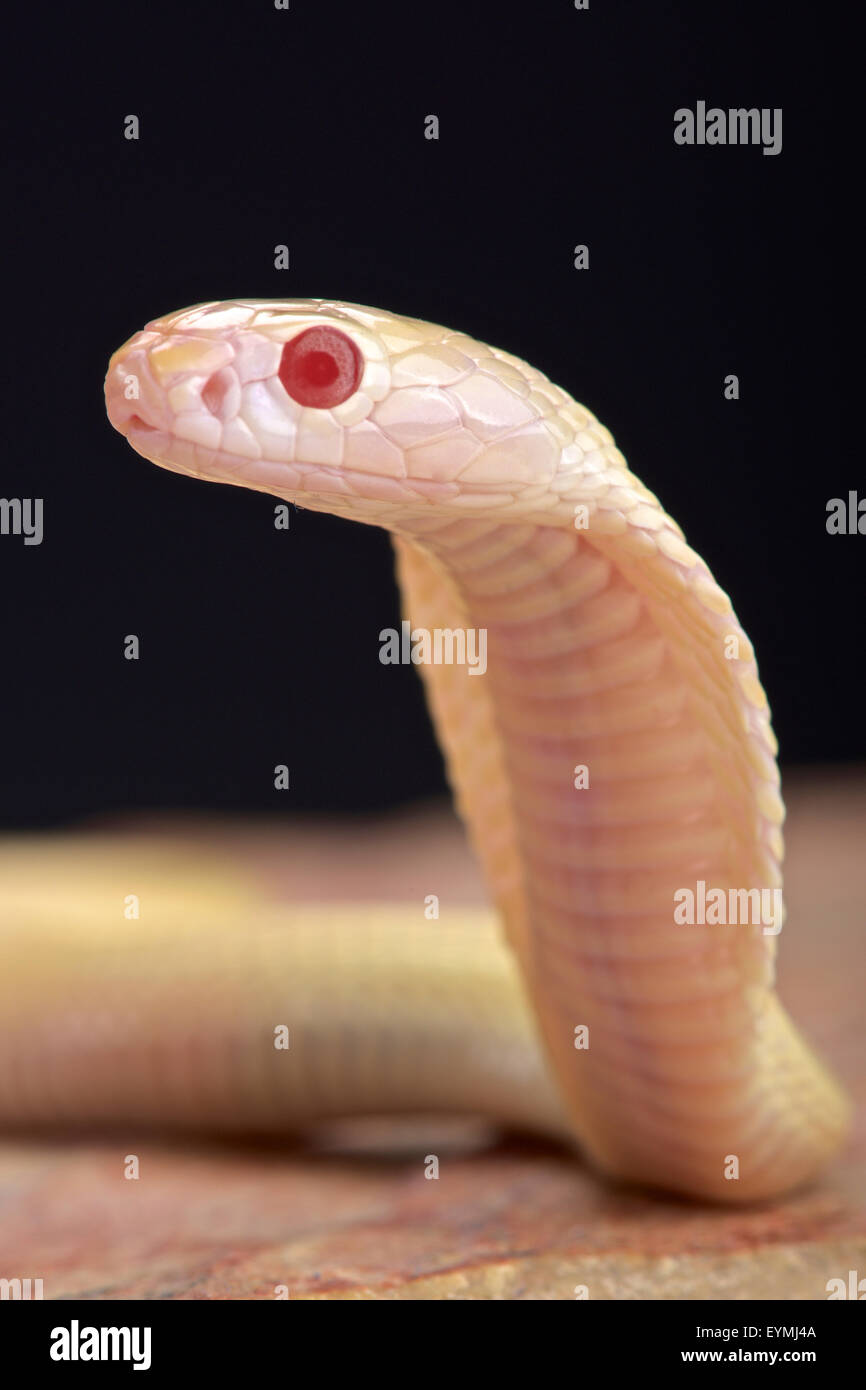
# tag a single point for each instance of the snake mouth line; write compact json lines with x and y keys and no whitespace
{"x":327,"y":482}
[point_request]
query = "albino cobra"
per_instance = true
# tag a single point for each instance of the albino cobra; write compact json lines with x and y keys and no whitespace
{"x":610,"y":647}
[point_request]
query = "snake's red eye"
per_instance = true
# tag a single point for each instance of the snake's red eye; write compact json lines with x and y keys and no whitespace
{"x":321,"y":367}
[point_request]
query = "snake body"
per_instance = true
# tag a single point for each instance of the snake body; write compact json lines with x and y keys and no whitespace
{"x":169,"y":1022}
{"x":616,"y":751}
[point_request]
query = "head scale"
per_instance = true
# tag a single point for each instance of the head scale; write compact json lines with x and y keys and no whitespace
{"x":348,"y":409}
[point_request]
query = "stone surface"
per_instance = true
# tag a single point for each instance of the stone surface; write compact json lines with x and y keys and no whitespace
{"x":351,"y":1216}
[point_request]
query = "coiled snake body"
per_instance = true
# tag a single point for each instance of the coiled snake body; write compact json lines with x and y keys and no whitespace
{"x":610,"y":648}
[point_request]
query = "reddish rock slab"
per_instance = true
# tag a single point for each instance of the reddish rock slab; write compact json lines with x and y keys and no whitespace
{"x":351,"y":1215}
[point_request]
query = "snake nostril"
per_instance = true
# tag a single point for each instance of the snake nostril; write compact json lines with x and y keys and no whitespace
{"x":215,"y":391}
{"x":136,"y":422}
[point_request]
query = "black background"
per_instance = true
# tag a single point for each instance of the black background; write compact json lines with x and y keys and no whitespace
{"x":260,"y":127}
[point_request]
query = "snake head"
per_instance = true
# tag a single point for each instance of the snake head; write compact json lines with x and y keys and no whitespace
{"x":348,"y":409}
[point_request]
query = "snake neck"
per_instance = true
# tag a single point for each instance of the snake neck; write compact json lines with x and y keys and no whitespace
{"x":609,"y":759}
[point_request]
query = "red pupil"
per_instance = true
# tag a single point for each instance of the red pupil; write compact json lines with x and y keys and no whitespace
{"x":321,"y":367}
